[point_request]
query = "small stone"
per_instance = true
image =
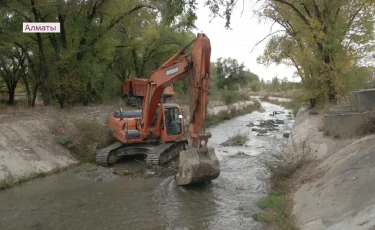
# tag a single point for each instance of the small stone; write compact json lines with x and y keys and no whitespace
{"x":286,"y":135}
{"x":125,"y":172}
{"x":149,"y":173}
{"x":240,"y":188}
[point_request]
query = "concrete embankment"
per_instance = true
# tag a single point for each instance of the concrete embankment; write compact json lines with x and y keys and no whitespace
{"x":335,"y":190}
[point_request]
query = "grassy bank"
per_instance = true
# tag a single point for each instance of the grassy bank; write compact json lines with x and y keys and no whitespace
{"x":232,"y":112}
{"x":278,"y":205}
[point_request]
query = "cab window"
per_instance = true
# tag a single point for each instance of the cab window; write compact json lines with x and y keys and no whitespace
{"x":172,"y":121}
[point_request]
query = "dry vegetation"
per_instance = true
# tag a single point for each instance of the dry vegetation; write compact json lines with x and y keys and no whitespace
{"x":231,"y":113}
{"x":82,"y":137}
{"x":370,"y":126}
{"x":281,"y":166}
{"x":284,"y":94}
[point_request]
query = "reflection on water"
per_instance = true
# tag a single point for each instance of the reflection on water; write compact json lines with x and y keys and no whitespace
{"x":65,"y":202}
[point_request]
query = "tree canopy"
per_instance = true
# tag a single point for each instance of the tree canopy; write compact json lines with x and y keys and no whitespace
{"x":101,"y":42}
{"x":229,"y":73}
{"x":326,"y":41}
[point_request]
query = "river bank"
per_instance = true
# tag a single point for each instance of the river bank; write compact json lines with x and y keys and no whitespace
{"x":43,"y":141}
{"x":334,"y":188}
{"x":83,"y":199}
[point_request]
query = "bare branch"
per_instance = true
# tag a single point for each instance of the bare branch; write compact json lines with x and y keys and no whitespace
{"x":265,"y":39}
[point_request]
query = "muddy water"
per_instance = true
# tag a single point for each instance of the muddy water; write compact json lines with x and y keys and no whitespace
{"x":64,"y":201}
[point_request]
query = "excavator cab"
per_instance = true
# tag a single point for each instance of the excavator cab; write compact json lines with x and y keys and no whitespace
{"x":172,"y":124}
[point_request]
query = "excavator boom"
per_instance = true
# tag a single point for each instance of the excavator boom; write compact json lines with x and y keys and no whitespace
{"x":198,"y":163}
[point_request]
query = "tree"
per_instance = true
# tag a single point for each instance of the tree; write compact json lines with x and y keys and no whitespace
{"x":230,"y":73}
{"x":11,"y":70}
{"x":324,"y":40}
{"x":99,"y":41}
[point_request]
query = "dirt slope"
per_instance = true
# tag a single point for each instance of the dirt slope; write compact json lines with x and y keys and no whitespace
{"x":27,"y":144}
{"x":336,"y":190}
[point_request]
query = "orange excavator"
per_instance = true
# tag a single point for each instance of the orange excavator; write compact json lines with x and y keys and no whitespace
{"x":157,"y":131}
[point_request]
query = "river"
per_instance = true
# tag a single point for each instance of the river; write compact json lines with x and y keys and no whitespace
{"x":63,"y":201}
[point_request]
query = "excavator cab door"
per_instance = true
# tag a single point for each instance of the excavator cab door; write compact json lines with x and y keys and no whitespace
{"x":172,"y":124}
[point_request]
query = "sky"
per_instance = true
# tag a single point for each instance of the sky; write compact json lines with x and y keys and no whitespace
{"x":237,"y":43}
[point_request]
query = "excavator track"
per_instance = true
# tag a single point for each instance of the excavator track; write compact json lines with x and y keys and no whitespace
{"x":156,"y":154}
{"x":165,"y":152}
{"x":104,"y":157}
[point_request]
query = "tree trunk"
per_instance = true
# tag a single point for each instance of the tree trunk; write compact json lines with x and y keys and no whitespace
{"x":43,"y":64}
{"x":28,"y":92}
{"x":11,"y":96}
{"x":11,"y":92}
{"x":332,"y":94}
{"x":44,"y":86}
{"x":35,"y":92}
{"x":87,"y":98}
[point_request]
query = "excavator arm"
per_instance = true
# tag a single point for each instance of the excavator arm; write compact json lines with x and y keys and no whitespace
{"x":198,"y":163}
{"x":197,"y":69}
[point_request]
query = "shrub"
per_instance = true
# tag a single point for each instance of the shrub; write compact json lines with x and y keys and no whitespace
{"x":276,"y":207}
{"x":229,"y":97}
{"x":244,"y":96}
{"x":83,"y":137}
{"x":282,"y":165}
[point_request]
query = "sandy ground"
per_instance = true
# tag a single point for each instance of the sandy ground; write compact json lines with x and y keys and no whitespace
{"x":335,"y":190}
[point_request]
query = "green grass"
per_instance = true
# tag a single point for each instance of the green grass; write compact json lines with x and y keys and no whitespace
{"x":272,"y":202}
{"x":276,"y":212}
{"x":277,"y":207}
{"x":83,"y":167}
{"x":239,"y":138}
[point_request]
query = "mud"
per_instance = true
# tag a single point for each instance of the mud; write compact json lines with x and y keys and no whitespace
{"x":135,"y":196}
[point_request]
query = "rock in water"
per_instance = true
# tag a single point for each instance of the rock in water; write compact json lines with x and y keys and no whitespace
{"x":262,"y":131}
{"x":286,"y":135}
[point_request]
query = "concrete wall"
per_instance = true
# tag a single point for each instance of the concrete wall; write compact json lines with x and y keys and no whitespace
{"x":346,"y":125}
{"x":364,"y":100}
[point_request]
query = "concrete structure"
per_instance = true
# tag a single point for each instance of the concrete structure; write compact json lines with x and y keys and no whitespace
{"x":364,"y":100}
{"x":346,"y":124}
{"x":351,"y":121}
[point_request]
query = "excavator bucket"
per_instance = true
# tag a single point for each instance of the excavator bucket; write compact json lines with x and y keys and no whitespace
{"x":197,"y":166}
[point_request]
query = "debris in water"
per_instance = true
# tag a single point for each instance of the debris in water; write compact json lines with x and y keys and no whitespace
{"x":280,"y":122}
{"x":97,"y":173}
{"x":251,"y":124}
{"x":240,"y":154}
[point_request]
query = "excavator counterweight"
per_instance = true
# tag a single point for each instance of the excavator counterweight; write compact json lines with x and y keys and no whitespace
{"x":157,"y":131}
